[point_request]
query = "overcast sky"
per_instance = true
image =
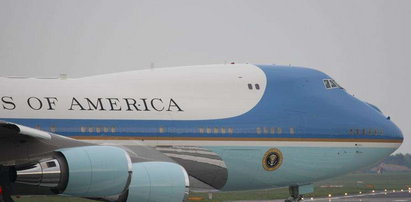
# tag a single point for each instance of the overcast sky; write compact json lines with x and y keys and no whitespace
{"x":364,"y":45}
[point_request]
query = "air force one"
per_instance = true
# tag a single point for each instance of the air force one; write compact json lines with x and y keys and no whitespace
{"x":153,"y":135}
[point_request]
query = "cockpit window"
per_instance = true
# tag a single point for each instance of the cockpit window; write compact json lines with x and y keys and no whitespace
{"x":327,"y":83}
{"x":333,"y":84}
{"x":330,"y":84}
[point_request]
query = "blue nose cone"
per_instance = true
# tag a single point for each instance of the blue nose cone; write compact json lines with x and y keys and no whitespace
{"x":390,"y":131}
{"x":393,"y":131}
{"x":371,"y":116}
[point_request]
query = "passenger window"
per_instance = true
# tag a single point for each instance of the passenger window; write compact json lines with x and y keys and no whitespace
{"x":272,"y":131}
{"x":201,"y":130}
{"x":83,"y":129}
{"x":258,"y":130}
{"x":250,"y":86}
{"x":230,"y":130}
{"x":279,"y":131}
{"x":98,"y":130}
{"x":208,"y":130}
{"x":215,"y":130}
{"x":53,"y":129}
{"x":161,"y":130}
{"x":113,"y":129}
{"x":257,"y":86}
{"x":90,"y":130}
{"x":223,"y":130}
{"x":351,"y":131}
{"x":265,"y":130}
{"x":105,"y":129}
{"x":292,"y":131}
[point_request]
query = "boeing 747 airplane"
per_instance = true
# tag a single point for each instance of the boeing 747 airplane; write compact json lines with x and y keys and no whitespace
{"x":151,"y":135}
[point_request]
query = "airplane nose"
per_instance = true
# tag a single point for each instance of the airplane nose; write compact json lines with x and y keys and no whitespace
{"x":399,"y":134}
{"x":391,"y":130}
{"x":394,"y":132}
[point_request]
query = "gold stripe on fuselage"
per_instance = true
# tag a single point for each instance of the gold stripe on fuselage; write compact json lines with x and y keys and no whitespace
{"x":237,"y":139}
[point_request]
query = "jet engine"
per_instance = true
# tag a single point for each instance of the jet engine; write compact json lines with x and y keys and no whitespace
{"x":91,"y":171}
{"x":158,"y":182}
{"x":106,"y":172}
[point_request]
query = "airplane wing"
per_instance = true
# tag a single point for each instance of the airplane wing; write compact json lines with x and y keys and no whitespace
{"x":44,"y":163}
{"x":20,"y":145}
{"x":16,"y":129}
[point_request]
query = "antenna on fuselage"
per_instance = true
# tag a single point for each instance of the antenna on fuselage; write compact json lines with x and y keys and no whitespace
{"x":63,"y":76}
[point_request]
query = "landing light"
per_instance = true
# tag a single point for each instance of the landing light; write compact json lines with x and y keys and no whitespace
{"x":402,"y":190}
{"x":373,"y":191}
{"x":329,"y":195}
{"x":360,"y":192}
{"x":385,"y":190}
{"x":312,"y":198}
{"x":345,"y":194}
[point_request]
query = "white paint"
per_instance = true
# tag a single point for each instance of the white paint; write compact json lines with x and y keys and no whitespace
{"x":196,"y":151}
{"x":215,"y":162}
{"x":202,"y":92}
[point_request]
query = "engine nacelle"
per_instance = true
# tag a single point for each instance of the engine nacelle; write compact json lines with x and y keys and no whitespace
{"x":91,"y":171}
{"x":106,"y":172}
{"x":158,"y":182}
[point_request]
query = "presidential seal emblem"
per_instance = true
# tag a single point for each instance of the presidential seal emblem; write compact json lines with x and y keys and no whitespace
{"x":272,"y":159}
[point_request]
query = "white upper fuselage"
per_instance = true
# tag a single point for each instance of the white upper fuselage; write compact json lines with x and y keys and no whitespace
{"x":200,"y":92}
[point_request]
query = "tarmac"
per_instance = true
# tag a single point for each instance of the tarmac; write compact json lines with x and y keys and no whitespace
{"x":380,"y":196}
{"x":399,"y":196}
